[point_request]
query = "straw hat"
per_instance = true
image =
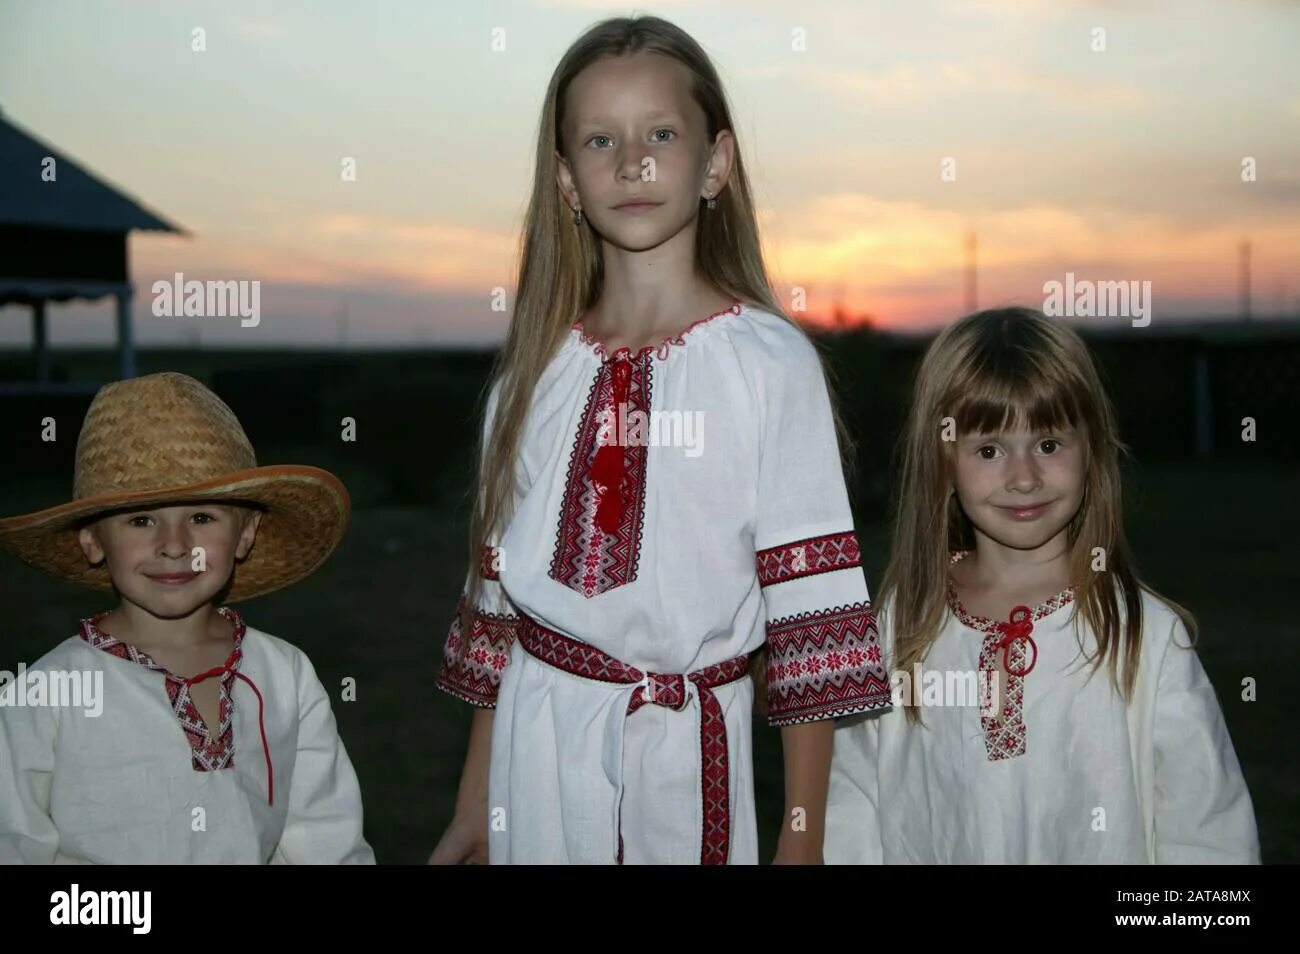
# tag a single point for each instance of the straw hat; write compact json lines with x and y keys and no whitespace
{"x":165,"y":439}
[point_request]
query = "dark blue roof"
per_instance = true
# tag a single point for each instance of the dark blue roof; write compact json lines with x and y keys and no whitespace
{"x":77,"y":199}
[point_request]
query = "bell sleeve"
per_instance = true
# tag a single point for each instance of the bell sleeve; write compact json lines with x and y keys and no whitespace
{"x":27,"y":740}
{"x":853,"y":832}
{"x":1203,"y":812}
{"x":853,"y":793}
{"x":323,"y":824}
{"x":824,"y":659}
{"x":475,"y":675}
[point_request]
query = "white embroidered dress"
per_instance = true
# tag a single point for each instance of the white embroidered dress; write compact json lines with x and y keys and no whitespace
{"x":670,"y":560}
{"x":124,"y":786}
{"x":1068,"y":774}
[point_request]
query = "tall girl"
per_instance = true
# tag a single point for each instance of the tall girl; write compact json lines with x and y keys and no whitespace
{"x":1058,"y":713}
{"x":660,"y":495}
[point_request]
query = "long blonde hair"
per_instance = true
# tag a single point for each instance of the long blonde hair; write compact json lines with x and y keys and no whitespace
{"x":561,"y":269}
{"x":990,"y":371}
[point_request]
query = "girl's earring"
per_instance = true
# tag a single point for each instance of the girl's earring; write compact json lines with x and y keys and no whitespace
{"x":712,"y":203}
{"x":577,"y":216}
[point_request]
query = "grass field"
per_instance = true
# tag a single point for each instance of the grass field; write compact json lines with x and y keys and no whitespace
{"x":1219,"y":539}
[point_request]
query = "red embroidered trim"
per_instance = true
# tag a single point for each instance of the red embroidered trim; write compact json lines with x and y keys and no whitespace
{"x":660,"y":350}
{"x":488,"y":567}
{"x":206,"y":755}
{"x":587,"y":559}
{"x":476,"y":678}
{"x":1004,"y":735}
{"x":824,"y":665}
{"x":790,"y":561}
{"x":574,"y":656}
{"x":985,"y":625}
{"x":664,"y":689}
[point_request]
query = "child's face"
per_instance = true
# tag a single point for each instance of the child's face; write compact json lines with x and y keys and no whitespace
{"x":1020,"y":488}
{"x":633,"y":131}
{"x":153,"y":554}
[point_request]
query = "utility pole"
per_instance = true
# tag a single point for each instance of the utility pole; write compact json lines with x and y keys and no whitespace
{"x":971,"y":289}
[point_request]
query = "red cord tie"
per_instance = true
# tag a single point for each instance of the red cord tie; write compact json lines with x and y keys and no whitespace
{"x":261,"y":725}
{"x":608,"y":468}
{"x":1018,"y":627}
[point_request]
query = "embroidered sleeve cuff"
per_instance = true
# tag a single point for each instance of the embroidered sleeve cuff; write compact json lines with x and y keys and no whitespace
{"x":809,"y":557}
{"x":823,"y":665}
{"x":475,"y":677}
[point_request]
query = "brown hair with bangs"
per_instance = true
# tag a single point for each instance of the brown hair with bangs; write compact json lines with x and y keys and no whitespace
{"x":992,"y":371}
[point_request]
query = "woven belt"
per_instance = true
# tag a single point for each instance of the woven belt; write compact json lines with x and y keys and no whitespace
{"x":672,"y":691}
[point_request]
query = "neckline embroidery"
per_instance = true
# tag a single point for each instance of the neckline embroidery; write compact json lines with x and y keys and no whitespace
{"x":598,"y":537}
{"x":985,"y":624}
{"x":660,"y":350}
{"x":1004,"y":729}
{"x":209,"y":750}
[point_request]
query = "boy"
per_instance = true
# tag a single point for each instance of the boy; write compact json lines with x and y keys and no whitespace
{"x":196,"y":738}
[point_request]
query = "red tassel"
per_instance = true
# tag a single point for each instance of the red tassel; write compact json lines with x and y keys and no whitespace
{"x":608,"y":468}
{"x":607,"y":474}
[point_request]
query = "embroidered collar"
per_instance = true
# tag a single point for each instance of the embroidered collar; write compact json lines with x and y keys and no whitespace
{"x":984,"y":624}
{"x":661,"y":349}
{"x":98,"y":639}
{"x":210,"y":749}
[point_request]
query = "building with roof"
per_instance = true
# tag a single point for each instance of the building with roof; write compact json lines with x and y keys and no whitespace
{"x":63,"y":237}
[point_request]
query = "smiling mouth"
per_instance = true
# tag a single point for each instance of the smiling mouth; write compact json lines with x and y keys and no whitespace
{"x":1027,"y":512}
{"x":173,"y":579}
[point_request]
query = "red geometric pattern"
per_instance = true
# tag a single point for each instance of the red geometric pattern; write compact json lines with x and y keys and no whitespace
{"x":662,"y":349}
{"x":587,"y":558}
{"x":673,"y":691}
{"x":823,"y":665}
{"x":985,"y":625}
{"x":489,"y":565}
{"x":476,"y":678}
{"x":1004,"y":733}
{"x":831,"y":551}
{"x":208,"y":752}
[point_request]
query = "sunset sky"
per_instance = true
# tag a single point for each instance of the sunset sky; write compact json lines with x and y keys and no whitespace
{"x":1123,"y":164}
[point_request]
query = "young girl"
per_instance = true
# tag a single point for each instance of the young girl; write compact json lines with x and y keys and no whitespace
{"x":1097,"y":736}
{"x":196,"y":738}
{"x":661,"y":493}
